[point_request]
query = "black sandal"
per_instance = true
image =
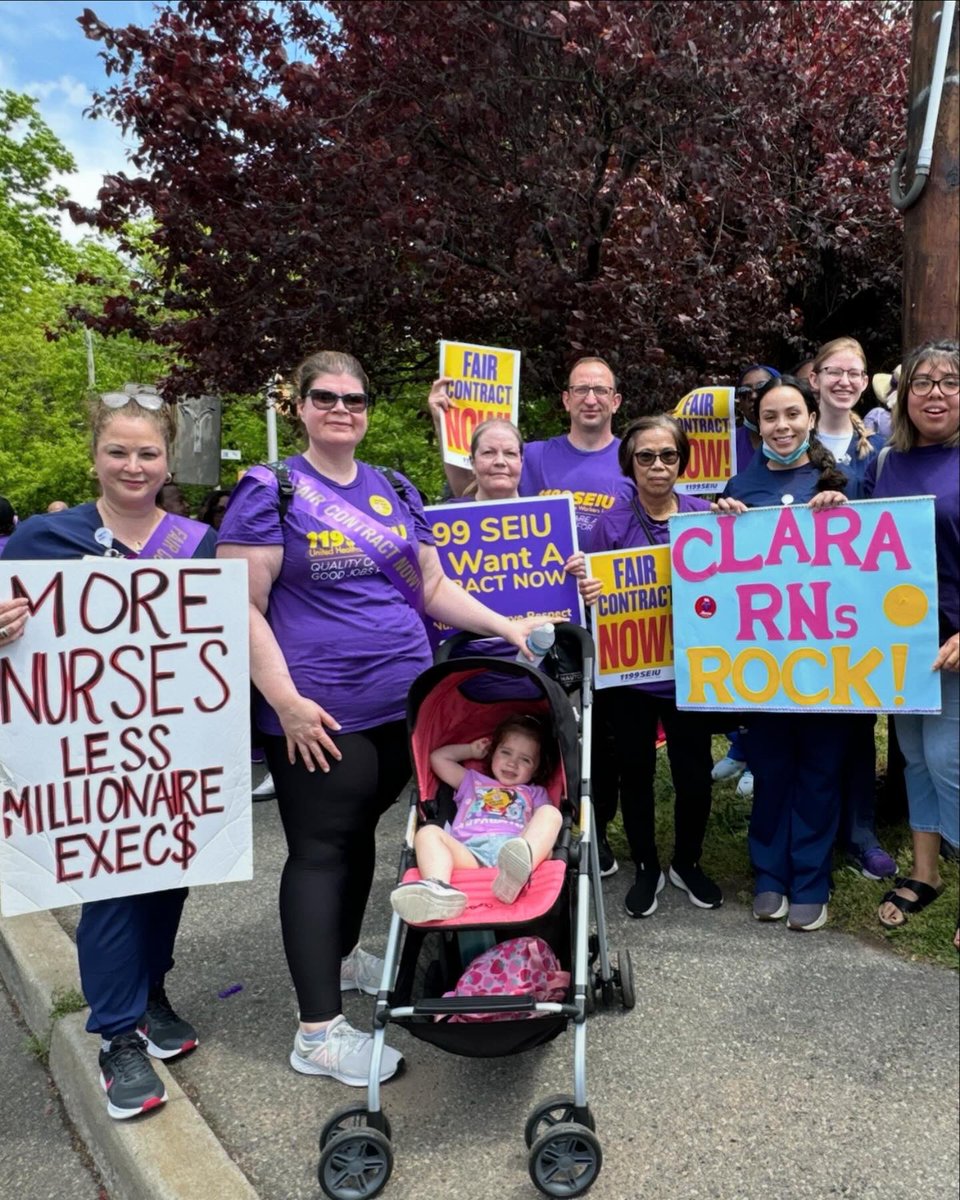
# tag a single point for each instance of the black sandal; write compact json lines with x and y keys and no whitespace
{"x":925,"y":896}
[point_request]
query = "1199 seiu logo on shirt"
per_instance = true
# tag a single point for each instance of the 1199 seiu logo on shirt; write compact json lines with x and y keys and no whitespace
{"x":333,"y":556}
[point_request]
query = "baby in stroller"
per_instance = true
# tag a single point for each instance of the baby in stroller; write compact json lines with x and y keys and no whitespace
{"x":504,"y":818}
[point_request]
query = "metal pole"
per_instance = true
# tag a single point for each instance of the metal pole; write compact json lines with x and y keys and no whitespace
{"x":91,"y":370}
{"x":931,"y":249}
{"x":272,"y":452}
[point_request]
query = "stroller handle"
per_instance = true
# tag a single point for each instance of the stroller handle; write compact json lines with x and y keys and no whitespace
{"x":566,"y":632}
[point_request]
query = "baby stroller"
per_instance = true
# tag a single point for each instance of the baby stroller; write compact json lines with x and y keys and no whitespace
{"x":453,"y":697}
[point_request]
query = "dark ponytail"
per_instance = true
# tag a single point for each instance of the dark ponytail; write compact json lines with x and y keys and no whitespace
{"x":831,"y":478}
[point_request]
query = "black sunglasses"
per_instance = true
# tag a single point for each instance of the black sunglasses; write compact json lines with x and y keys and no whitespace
{"x":646,"y":458}
{"x":324,"y":401}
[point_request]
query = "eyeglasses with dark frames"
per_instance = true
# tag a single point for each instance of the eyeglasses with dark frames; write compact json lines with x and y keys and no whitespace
{"x":923,"y":385}
{"x":324,"y":401}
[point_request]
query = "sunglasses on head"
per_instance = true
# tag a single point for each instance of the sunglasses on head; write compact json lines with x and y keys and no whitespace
{"x":324,"y":401}
{"x":148,"y":400}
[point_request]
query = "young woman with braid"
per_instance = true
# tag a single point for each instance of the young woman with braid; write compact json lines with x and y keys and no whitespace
{"x":839,"y":379}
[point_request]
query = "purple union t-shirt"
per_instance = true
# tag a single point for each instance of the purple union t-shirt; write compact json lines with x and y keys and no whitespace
{"x":592,"y":477}
{"x":622,"y":528}
{"x":352,"y":643}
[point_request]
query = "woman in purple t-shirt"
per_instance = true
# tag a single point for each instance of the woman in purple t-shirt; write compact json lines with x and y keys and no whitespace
{"x":923,"y":458}
{"x":653,"y":453}
{"x":338,"y":577}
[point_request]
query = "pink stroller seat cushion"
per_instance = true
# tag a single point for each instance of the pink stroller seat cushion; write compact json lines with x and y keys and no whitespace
{"x":537,"y":898}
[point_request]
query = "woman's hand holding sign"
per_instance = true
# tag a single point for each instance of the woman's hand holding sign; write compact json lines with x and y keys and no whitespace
{"x":949,"y":657}
{"x":13,"y":618}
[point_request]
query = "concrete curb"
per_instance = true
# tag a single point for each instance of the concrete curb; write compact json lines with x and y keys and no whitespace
{"x":170,"y":1155}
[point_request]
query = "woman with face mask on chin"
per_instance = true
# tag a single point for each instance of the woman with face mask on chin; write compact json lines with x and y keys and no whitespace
{"x":797,"y":759}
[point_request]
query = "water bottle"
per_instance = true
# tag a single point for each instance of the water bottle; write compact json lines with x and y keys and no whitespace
{"x":539,"y":641}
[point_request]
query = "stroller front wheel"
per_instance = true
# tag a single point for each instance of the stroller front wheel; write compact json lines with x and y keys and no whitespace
{"x":565,"y":1160}
{"x":355,"y":1165}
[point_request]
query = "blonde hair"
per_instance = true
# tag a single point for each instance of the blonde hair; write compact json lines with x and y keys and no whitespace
{"x":836,"y":346}
{"x":903,"y":432}
{"x":163,"y":419}
{"x":494,"y":423}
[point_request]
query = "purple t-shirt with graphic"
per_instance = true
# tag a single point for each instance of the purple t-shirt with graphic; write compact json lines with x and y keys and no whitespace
{"x":929,"y":471}
{"x":487,"y":808}
{"x":352,"y":643}
{"x":622,"y":528}
{"x":592,"y":477}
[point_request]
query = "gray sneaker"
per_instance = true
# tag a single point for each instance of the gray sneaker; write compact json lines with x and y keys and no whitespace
{"x":344,"y":1054}
{"x":427,"y":900}
{"x":361,"y":972}
{"x":514,"y":864}
{"x":769,"y":906}
{"x":807,"y":917}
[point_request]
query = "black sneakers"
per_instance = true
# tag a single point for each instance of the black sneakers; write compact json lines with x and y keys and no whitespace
{"x":131,"y":1084}
{"x":608,"y":864}
{"x":641,"y":900}
{"x":165,"y":1034}
{"x":700,"y":889}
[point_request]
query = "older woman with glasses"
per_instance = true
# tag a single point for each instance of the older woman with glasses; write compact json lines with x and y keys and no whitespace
{"x":653,"y":453}
{"x":923,"y":459}
{"x":341,"y":566}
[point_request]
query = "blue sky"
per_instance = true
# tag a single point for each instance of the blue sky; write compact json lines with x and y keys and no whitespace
{"x":43,"y":52}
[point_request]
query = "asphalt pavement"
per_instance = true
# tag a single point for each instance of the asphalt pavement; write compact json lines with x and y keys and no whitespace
{"x":758,"y":1064}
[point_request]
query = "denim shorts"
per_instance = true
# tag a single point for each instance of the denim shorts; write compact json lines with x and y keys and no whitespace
{"x":485,"y":847}
{"x":931,"y":748}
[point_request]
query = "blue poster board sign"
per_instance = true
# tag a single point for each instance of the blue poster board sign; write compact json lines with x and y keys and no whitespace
{"x":790,"y":609}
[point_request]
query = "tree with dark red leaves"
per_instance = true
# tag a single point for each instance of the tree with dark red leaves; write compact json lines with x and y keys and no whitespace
{"x":682,"y":187}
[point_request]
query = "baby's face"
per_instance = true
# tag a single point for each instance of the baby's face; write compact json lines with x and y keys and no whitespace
{"x":516,"y":759}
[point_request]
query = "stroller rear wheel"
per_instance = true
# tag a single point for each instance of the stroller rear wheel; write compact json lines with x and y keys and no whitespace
{"x":628,"y":993}
{"x":355,"y":1165}
{"x":555,"y":1110}
{"x":353,"y":1116}
{"x":565,"y":1160}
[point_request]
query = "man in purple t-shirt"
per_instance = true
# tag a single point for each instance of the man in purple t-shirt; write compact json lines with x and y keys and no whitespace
{"x":584,"y":464}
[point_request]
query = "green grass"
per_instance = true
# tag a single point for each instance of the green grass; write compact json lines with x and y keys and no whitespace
{"x":64,"y":1001}
{"x":927,"y":936}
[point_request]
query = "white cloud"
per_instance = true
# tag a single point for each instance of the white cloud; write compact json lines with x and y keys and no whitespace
{"x":43,"y":53}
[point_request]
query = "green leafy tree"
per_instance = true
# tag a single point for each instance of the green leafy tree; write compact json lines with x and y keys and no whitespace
{"x":44,"y":438}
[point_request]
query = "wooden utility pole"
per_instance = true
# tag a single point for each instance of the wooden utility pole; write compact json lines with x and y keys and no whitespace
{"x":931,"y":226}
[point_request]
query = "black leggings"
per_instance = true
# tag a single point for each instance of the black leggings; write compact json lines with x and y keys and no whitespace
{"x":636,"y":713}
{"x":330,"y":821}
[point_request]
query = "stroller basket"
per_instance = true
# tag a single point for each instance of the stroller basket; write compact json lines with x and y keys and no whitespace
{"x":433,"y":960}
